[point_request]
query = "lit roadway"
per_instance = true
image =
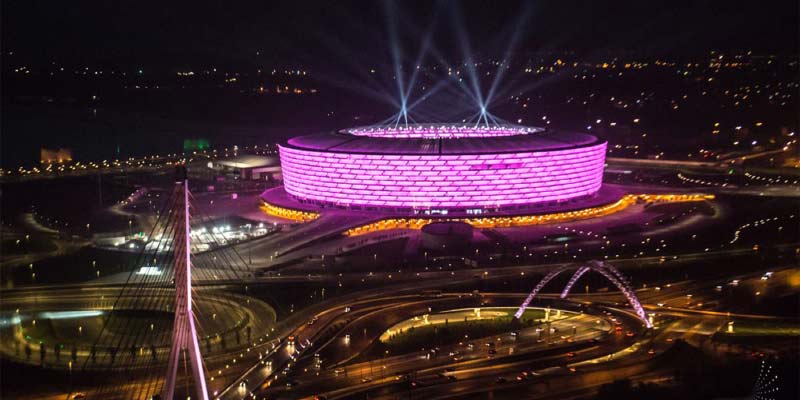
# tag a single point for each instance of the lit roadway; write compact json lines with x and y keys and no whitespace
{"x":332,"y":322}
{"x":378,"y":316}
{"x":325,"y":334}
{"x":465,"y":364}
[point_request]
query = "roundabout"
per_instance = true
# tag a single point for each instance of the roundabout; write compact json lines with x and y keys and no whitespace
{"x":449,"y":344}
{"x":69,"y":325}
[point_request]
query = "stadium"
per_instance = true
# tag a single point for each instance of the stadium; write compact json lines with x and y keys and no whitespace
{"x":443,"y":169}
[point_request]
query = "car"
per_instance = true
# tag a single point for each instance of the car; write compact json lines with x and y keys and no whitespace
{"x":338,"y":371}
{"x":366,"y":380}
{"x":571,"y":354}
{"x":500,"y":380}
{"x":629,"y":333}
{"x":651,"y":352}
{"x":78,"y":396}
{"x":291,"y":384}
{"x":492,"y":352}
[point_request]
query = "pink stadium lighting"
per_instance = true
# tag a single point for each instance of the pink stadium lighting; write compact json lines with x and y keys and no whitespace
{"x":442,"y":167}
{"x":431,"y":131}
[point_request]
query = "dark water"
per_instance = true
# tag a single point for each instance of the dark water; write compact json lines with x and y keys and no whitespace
{"x":130,"y":124}
{"x":93,"y":135}
{"x":67,"y":204}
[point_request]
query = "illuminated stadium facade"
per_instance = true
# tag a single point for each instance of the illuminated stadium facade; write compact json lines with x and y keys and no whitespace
{"x":439,"y":169}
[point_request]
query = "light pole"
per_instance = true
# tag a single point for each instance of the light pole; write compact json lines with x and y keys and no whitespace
{"x":70,"y":374}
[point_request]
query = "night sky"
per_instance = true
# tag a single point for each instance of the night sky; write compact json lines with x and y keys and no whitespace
{"x":321,"y":32}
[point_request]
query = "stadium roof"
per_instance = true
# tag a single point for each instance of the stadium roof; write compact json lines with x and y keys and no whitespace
{"x":344,"y":142}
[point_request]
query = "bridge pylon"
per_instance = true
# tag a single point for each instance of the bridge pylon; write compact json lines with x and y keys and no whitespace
{"x":184,"y":332}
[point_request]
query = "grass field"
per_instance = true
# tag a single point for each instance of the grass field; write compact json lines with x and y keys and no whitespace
{"x":457,"y":329}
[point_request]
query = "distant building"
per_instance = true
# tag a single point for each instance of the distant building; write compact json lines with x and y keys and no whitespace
{"x":249,"y":167}
{"x":59,"y":156}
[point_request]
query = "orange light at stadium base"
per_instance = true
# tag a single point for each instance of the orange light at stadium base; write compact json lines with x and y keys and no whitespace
{"x":527,"y":220}
{"x":288,"y":213}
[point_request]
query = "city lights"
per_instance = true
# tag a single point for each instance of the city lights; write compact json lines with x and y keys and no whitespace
{"x":397,"y":199}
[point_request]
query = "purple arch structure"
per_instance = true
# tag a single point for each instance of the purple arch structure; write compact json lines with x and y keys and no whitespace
{"x":577,"y":275}
{"x":612,"y":274}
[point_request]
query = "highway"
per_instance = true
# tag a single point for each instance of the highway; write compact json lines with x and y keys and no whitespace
{"x":371,"y":376}
{"x":320,"y":360}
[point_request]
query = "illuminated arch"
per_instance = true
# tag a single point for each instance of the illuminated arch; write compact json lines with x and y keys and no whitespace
{"x":612,"y":274}
{"x":577,"y":275}
{"x":537,"y":288}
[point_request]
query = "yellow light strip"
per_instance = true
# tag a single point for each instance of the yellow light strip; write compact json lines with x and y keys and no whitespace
{"x":288,"y":213}
{"x":527,"y":220}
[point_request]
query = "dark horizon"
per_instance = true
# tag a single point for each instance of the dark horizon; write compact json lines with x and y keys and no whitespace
{"x":137,"y":34}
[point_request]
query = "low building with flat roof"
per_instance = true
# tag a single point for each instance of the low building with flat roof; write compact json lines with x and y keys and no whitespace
{"x":250,"y":167}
